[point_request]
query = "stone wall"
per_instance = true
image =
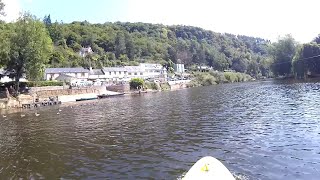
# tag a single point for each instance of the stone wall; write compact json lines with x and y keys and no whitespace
{"x":45,"y":88}
{"x":180,"y":85}
{"x":60,"y":92}
{"x":119,"y":88}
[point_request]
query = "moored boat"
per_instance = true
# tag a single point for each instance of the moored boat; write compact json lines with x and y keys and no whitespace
{"x":102,"y":96}
{"x":86,"y":99}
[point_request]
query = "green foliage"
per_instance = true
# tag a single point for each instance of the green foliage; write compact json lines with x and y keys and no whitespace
{"x":215,"y":77}
{"x":136,"y":83}
{"x":151,"y":85}
{"x":203,"y":79}
{"x":237,"y":77}
{"x":141,"y":42}
{"x":34,"y":83}
{"x":307,"y":60}
{"x":43,"y":83}
{"x":118,"y":44}
{"x":165,"y":87}
{"x":30,"y":48}
{"x":283,"y":52}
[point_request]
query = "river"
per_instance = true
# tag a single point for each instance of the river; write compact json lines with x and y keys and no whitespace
{"x":259,"y":130}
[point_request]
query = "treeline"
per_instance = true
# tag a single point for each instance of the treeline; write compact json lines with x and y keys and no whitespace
{"x":29,"y":45}
{"x":119,"y":43}
{"x":292,"y":59}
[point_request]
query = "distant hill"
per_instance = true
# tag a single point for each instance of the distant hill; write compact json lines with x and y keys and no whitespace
{"x":120,"y":43}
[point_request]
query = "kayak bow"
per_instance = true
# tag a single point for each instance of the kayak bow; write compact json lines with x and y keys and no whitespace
{"x":208,"y":168}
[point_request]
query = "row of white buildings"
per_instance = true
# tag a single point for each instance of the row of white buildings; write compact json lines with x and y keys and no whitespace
{"x":108,"y":74}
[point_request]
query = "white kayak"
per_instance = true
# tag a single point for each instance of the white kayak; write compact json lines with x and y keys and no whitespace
{"x":208,"y":168}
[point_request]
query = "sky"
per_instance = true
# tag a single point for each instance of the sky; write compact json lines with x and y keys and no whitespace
{"x":268,"y":19}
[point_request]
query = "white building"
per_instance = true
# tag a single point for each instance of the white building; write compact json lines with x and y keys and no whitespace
{"x":115,"y":74}
{"x":111,"y":74}
{"x":85,"y":51}
{"x":79,"y":73}
{"x":154,"y":71}
{"x":144,"y":71}
{"x":96,"y":74}
{"x":179,"y":68}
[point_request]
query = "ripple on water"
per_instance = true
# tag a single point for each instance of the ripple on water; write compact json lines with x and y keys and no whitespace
{"x":261,"y":130}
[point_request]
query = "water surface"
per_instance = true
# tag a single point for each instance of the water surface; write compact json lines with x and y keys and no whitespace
{"x":260,"y":130}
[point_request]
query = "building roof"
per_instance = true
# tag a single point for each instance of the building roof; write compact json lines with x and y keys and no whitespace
{"x":96,"y":72}
{"x":151,"y":66}
{"x":66,"y":70}
{"x":113,"y":69}
{"x":64,"y":77}
{"x":134,"y":69}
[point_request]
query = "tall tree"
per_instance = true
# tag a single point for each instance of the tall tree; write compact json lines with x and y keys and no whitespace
{"x":307,"y":60}
{"x":120,"y":44}
{"x":47,"y":20}
{"x":30,"y":48}
{"x":129,"y":46}
{"x":283,"y":52}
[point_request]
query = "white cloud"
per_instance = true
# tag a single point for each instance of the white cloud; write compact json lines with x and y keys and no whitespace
{"x":12,"y":9}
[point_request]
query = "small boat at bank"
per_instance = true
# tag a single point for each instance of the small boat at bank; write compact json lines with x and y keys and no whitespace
{"x":208,"y":168}
{"x":102,"y":96}
{"x":86,"y":99}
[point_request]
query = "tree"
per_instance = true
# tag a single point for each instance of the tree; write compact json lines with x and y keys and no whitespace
{"x":307,"y":60}
{"x":30,"y":48}
{"x":129,"y":46}
{"x":283,"y":52}
{"x":56,"y":33}
{"x":120,"y":45}
{"x":47,"y":20}
{"x":253,"y":69}
{"x":136,"y":83}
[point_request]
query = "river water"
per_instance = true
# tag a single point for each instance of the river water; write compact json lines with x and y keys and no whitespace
{"x":259,"y":130}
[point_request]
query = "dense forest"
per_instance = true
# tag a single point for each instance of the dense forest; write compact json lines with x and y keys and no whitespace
{"x":30,"y":44}
{"x":120,"y":43}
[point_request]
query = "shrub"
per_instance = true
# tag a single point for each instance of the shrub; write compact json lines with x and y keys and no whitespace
{"x":136,"y":83}
{"x":151,"y":85}
{"x":43,"y":83}
{"x":165,"y":87}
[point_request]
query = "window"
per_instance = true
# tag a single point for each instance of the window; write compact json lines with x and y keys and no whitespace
{"x":135,"y":73}
{"x":110,"y":73}
{"x":82,"y":74}
{"x":129,"y":74}
{"x":50,"y":76}
{"x":120,"y":72}
{"x":141,"y":74}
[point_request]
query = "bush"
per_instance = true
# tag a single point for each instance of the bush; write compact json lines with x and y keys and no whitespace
{"x":151,"y":85}
{"x":165,"y":87}
{"x":202,"y":79}
{"x":237,"y":77}
{"x":43,"y":83}
{"x":136,"y":83}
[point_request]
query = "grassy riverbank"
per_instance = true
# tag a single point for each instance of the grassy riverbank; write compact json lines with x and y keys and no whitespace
{"x":212,"y":78}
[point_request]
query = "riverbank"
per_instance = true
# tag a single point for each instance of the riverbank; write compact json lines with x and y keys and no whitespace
{"x":44,"y":96}
{"x":216,"y":77}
